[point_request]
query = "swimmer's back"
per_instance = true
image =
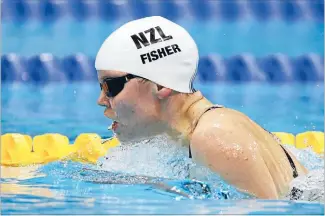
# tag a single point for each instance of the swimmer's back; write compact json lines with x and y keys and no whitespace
{"x":259,"y":144}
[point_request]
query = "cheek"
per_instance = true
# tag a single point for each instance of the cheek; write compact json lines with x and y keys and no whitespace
{"x":124,"y":110}
{"x":135,"y":113}
{"x":134,"y":105}
{"x":124,"y":101}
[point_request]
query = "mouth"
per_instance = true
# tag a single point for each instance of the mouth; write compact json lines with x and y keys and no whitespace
{"x":113,"y":126}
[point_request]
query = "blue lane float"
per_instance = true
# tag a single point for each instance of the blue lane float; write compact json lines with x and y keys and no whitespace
{"x":12,"y":68}
{"x":211,"y":68}
{"x":317,"y":9}
{"x":108,"y":10}
{"x":309,"y":68}
{"x":45,"y":68}
{"x":275,"y":68}
{"x":51,"y":10}
{"x":230,"y":10}
{"x":291,"y":10}
{"x":243,"y":68}
{"x":79,"y":68}
{"x":261,"y":10}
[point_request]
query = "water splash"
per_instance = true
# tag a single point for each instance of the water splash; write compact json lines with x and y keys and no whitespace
{"x":311,"y":186}
{"x":158,"y":157}
{"x":307,"y":157}
{"x":160,"y":160}
{"x":163,"y":158}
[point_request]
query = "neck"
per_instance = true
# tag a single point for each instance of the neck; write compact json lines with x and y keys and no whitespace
{"x":183,"y":113}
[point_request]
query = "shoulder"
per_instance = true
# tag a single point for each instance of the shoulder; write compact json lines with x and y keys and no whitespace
{"x":222,"y":130}
{"x":220,"y":120}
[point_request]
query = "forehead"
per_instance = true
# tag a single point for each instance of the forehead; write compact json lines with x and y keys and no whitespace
{"x":109,"y":73}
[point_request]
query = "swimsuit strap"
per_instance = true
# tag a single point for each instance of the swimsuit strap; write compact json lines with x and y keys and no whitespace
{"x":213,"y":107}
{"x":210,"y":108}
{"x":293,"y":166}
{"x":295,"y":173}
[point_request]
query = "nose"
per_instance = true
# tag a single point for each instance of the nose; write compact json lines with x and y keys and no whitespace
{"x":103,"y":100}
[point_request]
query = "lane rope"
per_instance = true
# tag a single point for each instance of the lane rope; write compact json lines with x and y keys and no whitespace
{"x":23,"y":150}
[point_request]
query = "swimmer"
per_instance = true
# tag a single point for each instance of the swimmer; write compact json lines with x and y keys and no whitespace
{"x":146,"y":70}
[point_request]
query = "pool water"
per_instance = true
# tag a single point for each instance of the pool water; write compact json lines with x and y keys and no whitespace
{"x":224,"y":38}
{"x":74,"y":188}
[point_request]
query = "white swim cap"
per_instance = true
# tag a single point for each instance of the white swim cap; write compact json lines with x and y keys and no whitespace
{"x":153,"y":48}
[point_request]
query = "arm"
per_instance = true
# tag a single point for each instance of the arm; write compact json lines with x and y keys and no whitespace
{"x":233,"y":153}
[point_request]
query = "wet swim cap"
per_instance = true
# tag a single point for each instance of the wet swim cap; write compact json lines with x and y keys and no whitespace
{"x":153,"y":48}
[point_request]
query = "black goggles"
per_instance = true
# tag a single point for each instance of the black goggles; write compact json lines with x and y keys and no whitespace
{"x":113,"y":86}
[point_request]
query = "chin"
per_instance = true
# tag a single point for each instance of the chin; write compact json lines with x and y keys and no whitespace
{"x":131,"y":135}
{"x":128,"y":138}
{"x":135,"y":133}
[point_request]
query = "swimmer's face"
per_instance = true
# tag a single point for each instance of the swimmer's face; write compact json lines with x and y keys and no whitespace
{"x":135,"y":108}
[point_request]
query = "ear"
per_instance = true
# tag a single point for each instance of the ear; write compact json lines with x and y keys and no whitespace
{"x":163,"y":92}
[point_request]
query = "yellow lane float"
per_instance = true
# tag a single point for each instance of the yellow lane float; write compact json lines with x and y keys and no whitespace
{"x":286,"y":138}
{"x":22,"y":150}
{"x":315,"y":140}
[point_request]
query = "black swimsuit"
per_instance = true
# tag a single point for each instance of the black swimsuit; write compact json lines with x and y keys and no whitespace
{"x":294,"y":169}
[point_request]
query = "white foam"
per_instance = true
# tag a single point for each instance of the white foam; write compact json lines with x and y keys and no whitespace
{"x":158,"y":157}
{"x":311,"y":184}
{"x":307,"y":157}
